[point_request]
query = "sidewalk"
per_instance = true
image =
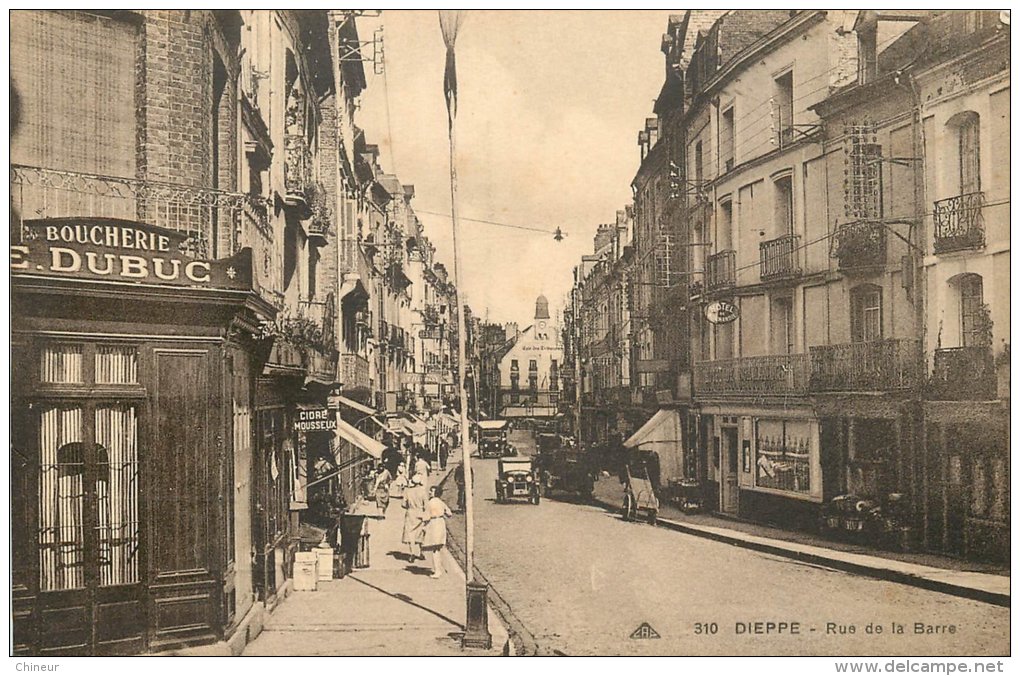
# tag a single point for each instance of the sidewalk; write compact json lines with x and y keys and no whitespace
{"x":981,"y":582}
{"x":390,"y":608}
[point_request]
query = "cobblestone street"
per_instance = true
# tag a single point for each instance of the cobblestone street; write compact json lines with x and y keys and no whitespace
{"x":582,"y":580}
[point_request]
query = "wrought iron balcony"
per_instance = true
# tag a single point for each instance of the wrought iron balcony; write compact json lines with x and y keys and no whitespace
{"x":323,"y":313}
{"x":959,"y":223}
{"x":354,"y":371}
{"x":720,"y":271}
{"x":963,"y":374}
{"x":218,"y":223}
{"x":781,"y":374}
{"x":780,"y":258}
{"x":297,"y":172}
{"x":859,"y":245}
{"x":874,"y":366}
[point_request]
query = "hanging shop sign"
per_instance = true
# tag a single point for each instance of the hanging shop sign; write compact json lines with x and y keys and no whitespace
{"x":721,"y":312}
{"x":113,"y":249}
{"x":315,"y":420}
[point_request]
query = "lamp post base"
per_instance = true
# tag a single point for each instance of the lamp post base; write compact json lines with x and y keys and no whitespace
{"x":476,"y":631}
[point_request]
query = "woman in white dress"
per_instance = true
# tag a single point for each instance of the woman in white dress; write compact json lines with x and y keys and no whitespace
{"x":436,"y":514}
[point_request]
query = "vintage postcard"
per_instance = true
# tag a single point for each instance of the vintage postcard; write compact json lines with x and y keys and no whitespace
{"x":490,"y":333}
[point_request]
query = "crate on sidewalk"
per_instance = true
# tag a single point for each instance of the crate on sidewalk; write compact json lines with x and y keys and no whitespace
{"x":306,"y":571}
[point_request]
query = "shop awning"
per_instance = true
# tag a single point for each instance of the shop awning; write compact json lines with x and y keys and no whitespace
{"x":661,"y":429}
{"x":350,"y":286}
{"x":354,"y":436}
{"x":357,"y":406}
{"x":662,"y":434}
{"x":417,"y":426}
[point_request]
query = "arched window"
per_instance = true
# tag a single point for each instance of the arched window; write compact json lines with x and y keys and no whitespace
{"x":866,"y":313}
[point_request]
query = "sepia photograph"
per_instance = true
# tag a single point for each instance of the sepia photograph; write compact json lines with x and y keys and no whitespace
{"x":465,"y":333}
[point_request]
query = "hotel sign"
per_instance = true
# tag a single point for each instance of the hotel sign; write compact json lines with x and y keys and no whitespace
{"x":113,"y":249}
{"x":721,"y":312}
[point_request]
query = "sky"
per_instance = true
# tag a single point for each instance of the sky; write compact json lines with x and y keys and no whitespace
{"x":549,"y":107}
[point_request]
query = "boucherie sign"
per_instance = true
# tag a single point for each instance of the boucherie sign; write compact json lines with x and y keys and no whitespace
{"x":113,"y":249}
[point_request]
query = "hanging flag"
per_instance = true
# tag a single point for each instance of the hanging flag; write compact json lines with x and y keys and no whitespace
{"x":449,"y":22}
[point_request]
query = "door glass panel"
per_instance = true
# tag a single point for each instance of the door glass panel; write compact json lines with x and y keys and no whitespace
{"x":116,"y":491}
{"x":116,"y":365}
{"x":61,"y":364}
{"x":61,"y":498}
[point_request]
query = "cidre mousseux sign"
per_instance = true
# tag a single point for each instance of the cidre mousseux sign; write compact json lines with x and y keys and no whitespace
{"x":315,"y":420}
{"x":113,"y":249}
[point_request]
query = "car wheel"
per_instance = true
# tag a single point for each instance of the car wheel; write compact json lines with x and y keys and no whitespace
{"x":653,"y":517}
{"x":626,"y":508}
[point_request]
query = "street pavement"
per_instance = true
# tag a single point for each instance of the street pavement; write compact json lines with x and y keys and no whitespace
{"x":390,"y":608}
{"x":582,"y":581}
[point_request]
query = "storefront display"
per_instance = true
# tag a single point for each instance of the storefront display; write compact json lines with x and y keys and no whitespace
{"x":783,"y":450}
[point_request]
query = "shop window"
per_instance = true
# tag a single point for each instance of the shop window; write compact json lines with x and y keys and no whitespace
{"x":783,"y":455}
{"x":866,"y":313}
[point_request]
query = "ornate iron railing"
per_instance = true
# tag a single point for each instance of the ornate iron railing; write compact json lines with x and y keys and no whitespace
{"x":217,"y":222}
{"x":765,"y":375}
{"x":874,"y":366}
{"x":720,"y":272}
{"x":959,"y":222}
{"x":963,"y":374}
{"x":354,"y":371}
{"x":297,"y":169}
{"x":780,"y":258}
{"x":858,"y":245}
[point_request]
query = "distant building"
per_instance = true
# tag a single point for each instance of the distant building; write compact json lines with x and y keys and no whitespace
{"x":530,"y":370}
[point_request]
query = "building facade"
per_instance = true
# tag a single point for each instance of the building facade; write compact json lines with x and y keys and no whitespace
{"x":530,"y":369}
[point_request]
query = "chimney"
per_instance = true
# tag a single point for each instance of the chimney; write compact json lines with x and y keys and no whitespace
{"x":603,"y":236}
{"x":409,"y":192}
{"x":652,"y":128}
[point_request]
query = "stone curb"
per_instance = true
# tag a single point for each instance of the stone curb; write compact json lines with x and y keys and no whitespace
{"x":521,"y":642}
{"x":877,"y":572}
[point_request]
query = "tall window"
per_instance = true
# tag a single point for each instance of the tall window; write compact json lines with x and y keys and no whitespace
{"x":783,"y":334}
{"x":784,"y":205}
{"x":727,"y":139}
{"x":699,"y":165}
{"x":970,"y":154}
{"x":782,"y":99}
{"x":866,"y":313}
{"x":973,"y":319}
{"x":724,"y":227}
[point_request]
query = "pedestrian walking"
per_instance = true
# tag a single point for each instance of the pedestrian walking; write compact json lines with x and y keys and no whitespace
{"x":421,"y":466}
{"x":382,"y":489}
{"x":458,"y":478}
{"x":436,"y":514}
{"x":444,"y":453}
{"x":415,"y":500}
{"x":391,"y":457}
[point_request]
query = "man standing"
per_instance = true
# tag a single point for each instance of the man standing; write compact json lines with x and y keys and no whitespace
{"x":444,"y":453}
{"x":458,"y":477}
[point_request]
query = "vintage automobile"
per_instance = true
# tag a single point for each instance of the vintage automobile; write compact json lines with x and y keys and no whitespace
{"x":516,"y":479}
{"x":566,"y":469}
{"x":492,"y":438}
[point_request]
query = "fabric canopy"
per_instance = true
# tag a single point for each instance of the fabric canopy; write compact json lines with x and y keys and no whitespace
{"x":663,"y":434}
{"x":358,"y":438}
{"x":344,"y":401}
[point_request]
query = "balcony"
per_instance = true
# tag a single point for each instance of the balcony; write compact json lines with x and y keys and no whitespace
{"x":963,"y":374}
{"x":720,"y":271}
{"x":959,"y":223}
{"x":323,"y":314}
{"x":354,"y":372}
{"x":322,"y":215}
{"x":297,"y":173}
{"x":782,"y":374}
{"x":217,"y":223}
{"x":874,"y":366}
{"x":860,"y":245}
{"x":780,"y":258}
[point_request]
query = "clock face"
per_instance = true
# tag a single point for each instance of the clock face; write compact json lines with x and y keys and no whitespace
{"x":541,"y":325}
